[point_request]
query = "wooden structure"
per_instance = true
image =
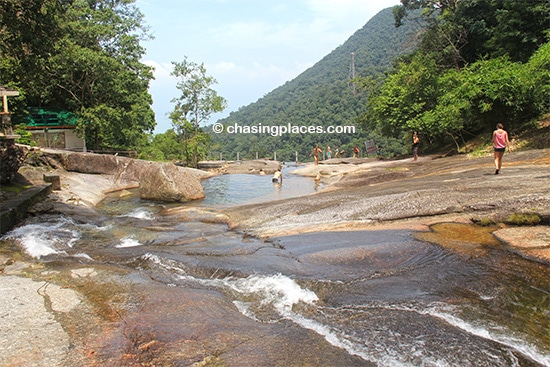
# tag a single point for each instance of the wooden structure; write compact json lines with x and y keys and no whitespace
{"x":6,"y":130}
{"x":11,"y":156}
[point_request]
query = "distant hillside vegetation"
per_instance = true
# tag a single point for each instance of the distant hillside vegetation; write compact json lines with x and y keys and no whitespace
{"x":323,"y":95}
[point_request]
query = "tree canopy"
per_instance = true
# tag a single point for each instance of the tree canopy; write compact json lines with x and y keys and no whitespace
{"x":480,"y":62}
{"x":194,"y":106}
{"x":323,"y":96}
{"x":82,"y":56}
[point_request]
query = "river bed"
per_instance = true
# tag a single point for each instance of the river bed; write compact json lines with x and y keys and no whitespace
{"x":379,"y":297}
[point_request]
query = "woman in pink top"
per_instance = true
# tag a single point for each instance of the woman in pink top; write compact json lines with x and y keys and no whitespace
{"x":500,"y":143}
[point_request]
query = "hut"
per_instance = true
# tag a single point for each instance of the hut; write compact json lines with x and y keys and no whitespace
{"x":54,"y":128}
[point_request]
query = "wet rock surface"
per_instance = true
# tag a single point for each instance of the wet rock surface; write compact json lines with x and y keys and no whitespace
{"x":69,"y":314}
{"x":413,"y":194}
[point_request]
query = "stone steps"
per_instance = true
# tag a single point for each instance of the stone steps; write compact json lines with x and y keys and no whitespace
{"x":14,"y":210}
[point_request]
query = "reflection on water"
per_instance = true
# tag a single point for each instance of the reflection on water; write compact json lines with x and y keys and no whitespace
{"x":234,"y":189}
{"x":389,"y":297}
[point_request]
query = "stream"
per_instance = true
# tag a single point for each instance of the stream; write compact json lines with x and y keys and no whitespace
{"x":387,"y":297}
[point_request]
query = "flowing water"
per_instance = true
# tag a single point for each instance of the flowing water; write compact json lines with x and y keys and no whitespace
{"x":388,"y":297}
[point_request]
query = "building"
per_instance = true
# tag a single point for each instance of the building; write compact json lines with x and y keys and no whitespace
{"x":54,"y":128}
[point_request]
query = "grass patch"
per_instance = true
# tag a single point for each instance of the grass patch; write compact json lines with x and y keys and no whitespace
{"x":484,"y":221}
{"x":514,"y":219}
{"x":523,"y":219}
{"x":13,"y":188}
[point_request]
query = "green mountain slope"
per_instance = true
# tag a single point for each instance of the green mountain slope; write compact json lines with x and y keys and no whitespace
{"x":323,"y":96}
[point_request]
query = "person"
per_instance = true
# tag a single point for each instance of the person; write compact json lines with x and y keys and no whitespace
{"x":379,"y":152}
{"x":329,"y":152}
{"x":315,"y":152}
{"x":277,"y":176}
{"x":416,"y":142}
{"x":317,"y":181}
{"x":500,"y":143}
{"x":336,"y":151}
{"x":355,"y":151}
{"x":343,"y":153}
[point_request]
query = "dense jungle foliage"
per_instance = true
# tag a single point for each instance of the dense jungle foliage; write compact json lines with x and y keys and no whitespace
{"x":479,"y":62}
{"x":324,"y":95}
{"x":450,"y":70}
{"x":81,"y":56}
{"x":474,"y":63}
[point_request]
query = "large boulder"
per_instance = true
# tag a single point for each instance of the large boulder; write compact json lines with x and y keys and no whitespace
{"x":157,"y":180}
{"x":165,"y":181}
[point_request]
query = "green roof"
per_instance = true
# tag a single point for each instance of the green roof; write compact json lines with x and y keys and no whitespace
{"x":50,"y":117}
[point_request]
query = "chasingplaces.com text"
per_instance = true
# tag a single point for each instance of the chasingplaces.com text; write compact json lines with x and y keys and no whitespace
{"x":278,"y":130}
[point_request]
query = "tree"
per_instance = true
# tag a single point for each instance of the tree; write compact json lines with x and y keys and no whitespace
{"x":463,"y":31}
{"x":472,"y":100}
{"x":491,"y":80}
{"x":195,"y":106}
{"x":29,"y":31}
{"x":161,"y":147}
{"x":82,"y":56}
{"x":405,"y":96}
{"x":443,"y":36}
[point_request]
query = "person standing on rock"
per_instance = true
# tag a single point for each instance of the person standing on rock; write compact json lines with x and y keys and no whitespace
{"x":500,"y":143}
{"x":416,"y":142}
{"x":315,"y":152}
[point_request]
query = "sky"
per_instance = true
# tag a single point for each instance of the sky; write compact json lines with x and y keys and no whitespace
{"x":249,"y":46}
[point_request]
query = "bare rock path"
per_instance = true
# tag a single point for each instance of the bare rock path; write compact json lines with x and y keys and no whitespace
{"x":414,"y":195}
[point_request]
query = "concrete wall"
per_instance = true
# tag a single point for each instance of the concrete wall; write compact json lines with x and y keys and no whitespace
{"x":58,"y":138}
{"x":14,"y":210}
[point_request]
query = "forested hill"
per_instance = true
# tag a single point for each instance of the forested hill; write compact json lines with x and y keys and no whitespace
{"x":323,"y":95}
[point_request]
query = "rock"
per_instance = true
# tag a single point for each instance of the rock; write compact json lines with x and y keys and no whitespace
{"x":256,"y":166}
{"x":452,"y":189}
{"x":195,"y":214}
{"x":29,"y":334}
{"x":14,"y":210}
{"x":157,"y":180}
{"x":530,"y":241}
{"x":211,"y":165}
{"x":167,"y":182}
{"x":54,"y":180}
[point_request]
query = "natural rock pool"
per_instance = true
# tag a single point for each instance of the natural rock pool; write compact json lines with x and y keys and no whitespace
{"x":451,"y":297}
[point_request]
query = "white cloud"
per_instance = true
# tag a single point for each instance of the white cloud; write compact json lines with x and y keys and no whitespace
{"x":161,"y":70}
{"x":250,"y":47}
